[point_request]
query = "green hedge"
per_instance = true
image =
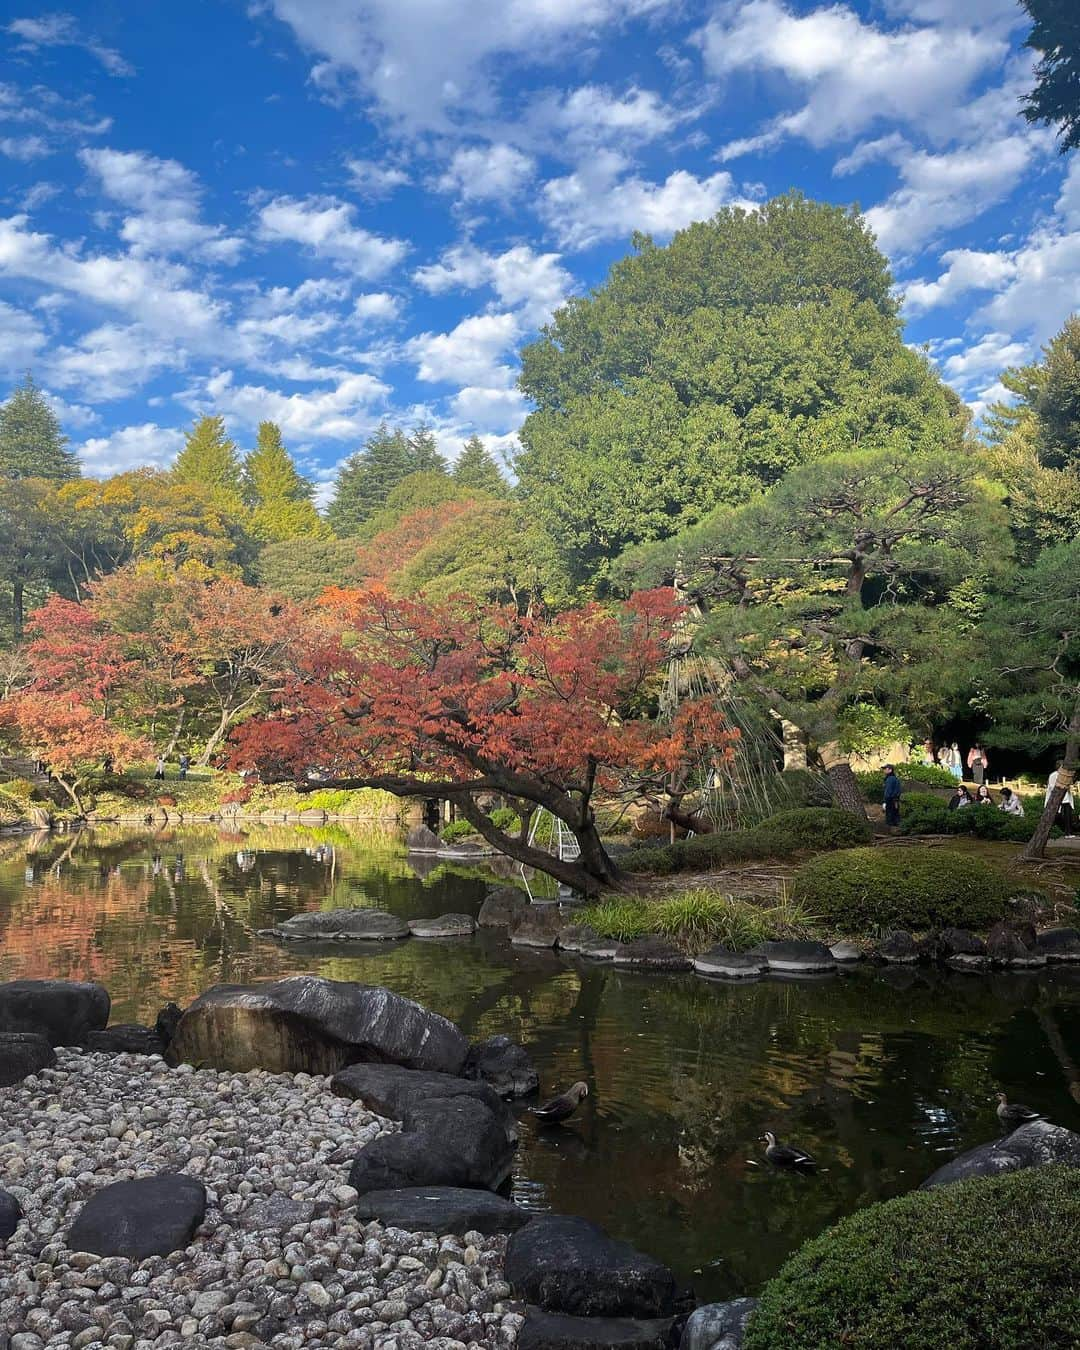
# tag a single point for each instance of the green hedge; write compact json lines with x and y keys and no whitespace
{"x":872,"y":781}
{"x":990,"y":1262}
{"x":862,"y":889}
{"x":455,"y":830}
{"x":505,"y":818}
{"x":821,"y":827}
{"x":923,"y":813}
{"x":780,"y":836}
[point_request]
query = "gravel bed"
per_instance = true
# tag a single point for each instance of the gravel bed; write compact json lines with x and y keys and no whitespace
{"x":291,"y":1271}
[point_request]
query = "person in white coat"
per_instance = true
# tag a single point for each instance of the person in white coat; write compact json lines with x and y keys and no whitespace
{"x":1066,"y":816}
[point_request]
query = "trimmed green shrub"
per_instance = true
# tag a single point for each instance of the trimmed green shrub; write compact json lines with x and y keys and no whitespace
{"x":923,"y":813}
{"x":505,"y":818}
{"x":821,"y":827}
{"x":861,"y":889}
{"x":455,"y":830}
{"x":872,"y":781}
{"x":986,"y":1262}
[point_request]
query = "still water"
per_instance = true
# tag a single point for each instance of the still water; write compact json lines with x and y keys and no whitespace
{"x":882,"y":1077}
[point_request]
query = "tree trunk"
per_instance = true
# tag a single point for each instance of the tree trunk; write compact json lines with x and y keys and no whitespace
{"x":17,"y":593}
{"x":844,"y":784}
{"x":215,"y":740}
{"x":170,"y":749}
{"x":1036,"y":846}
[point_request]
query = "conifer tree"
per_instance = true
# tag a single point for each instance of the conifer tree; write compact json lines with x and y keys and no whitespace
{"x":476,"y":469}
{"x":425,"y":451}
{"x":368,"y":477}
{"x":209,"y":458}
{"x":279,"y":498}
{"x":31,"y":442}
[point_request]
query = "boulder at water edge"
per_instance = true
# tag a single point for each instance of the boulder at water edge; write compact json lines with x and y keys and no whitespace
{"x":537,"y":926}
{"x":1005,"y":947}
{"x":651,"y":953}
{"x":306,"y":1024}
{"x":796,"y":958}
{"x":1036,"y":1144}
{"x":10,"y":1214}
{"x":21,"y":1054}
{"x":394,"y":1092}
{"x":1059,"y":944}
{"x":569,"y":1265}
{"x":504,"y":1065}
{"x":721,"y":963}
{"x":422,"y":840}
{"x":341,"y":925}
{"x":445,"y":926}
{"x":502,"y":908}
{"x":450,"y":1141}
{"x":63,"y":1011}
{"x":137,"y":1219}
{"x":717,"y":1326}
{"x":126,"y":1039}
{"x":556,"y":1331}
{"x":166,"y":1022}
{"x":442,"y":1209}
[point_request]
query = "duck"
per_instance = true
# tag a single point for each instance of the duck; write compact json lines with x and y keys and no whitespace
{"x":782,"y":1155}
{"x":1013,"y":1114}
{"x":563,"y":1106}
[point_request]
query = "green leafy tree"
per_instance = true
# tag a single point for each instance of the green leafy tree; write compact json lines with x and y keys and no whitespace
{"x":31,"y":442}
{"x":279,"y":498}
{"x":301,"y":569}
{"x":416,"y":492}
{"x":210,"y":460}
{"x":700,"y":372}
{"x":368,"y":477}
{"x":1055,"y":100}
{"x":476,"y":469}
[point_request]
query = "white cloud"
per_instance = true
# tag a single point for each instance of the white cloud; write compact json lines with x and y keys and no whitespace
{"x":133,"y":447}
{"x":111,"y":361}
{"x":24,"y":147}
{"x":471,"y":353}
{"x":340,"y":413}
{"x":326,"y":226}
{"x":535,"y":282}
{"x":595,"y":203}
{"x":61,"y":30}
{"x":487,"y":173}
{"x":376,"y":307}
{"x":967,"y":270}
{"x":989,"y":356}
{"x":164,"y":197}
{"x":851,"y":73}
{"x":288,"y":299}
{"x":372,"y":179}
{"x":594,"y":115}
{"x":21,"y":337}
{"x":500,"y":410}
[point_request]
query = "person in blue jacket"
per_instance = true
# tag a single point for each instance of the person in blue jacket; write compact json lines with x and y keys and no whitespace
{"x":892,"y":796}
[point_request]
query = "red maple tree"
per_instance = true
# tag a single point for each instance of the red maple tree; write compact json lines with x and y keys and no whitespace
{"x":459,"y":701}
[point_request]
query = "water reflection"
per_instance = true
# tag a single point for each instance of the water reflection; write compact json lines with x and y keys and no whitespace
{"x":880,"y":1078}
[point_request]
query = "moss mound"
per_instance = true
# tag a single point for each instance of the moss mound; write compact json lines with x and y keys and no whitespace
{"x":780,"y":836}
{"x":984,"y":1263}
{"x":867,"y":888}
{"x":821,"y":827}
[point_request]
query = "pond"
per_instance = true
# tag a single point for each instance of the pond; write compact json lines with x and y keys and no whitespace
{"x":883,"y":1076}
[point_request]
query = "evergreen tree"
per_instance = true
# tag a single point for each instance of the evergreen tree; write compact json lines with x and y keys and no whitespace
{"x":368,"y":477}
{"x":476,"y":469}
{"x":279,"y":498}
{"x":209,"y":458}
{"x":1058,"y":401}
{"x":31,"y":442}
{"x":425,"y":451}
{"x":1055,"y":100}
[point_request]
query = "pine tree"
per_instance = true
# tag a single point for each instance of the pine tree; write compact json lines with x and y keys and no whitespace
{"x":279,"y":498}
{"x":425,"y":451}
{"x":31,"y":442}
{"x":368,"y":477}
{"x":210,"y":459}
{"x":476,"y":469}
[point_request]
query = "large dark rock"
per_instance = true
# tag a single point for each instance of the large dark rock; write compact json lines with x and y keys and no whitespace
{"x":126,"y":1039}
{"x":575,"y":936}
{"x":420,"y":839}
{"x":556,"y":1331}
{"x":717,"y":1326}
{"x":504,"y":1065}
{"x":63,"y":1011}
{"x":448,"y":1141}
{"x":10,"y":1214}
{"x":537,"y":926}
{"x":442,"y":1209}
{"x":1033,"y":1145}
{"x":307,"y":1024}
{"x":899,"y":948}
{"x":720,"y":963}
{"x":961,"y":949}
{"x":1005,"y":947}
{"x":21,"y":1054}
{"x":341,"y":925}
{"x":502,"y":908}
{"x":445,"y":926}
{"x":568,"y":1265}
{"x":394,"y":1092}
{"x":138,"y":1219}
{"x":651,"y":953}
{"x":1059,"y":944}
{"x":796,"y":958}
{"x":166,"y":1022}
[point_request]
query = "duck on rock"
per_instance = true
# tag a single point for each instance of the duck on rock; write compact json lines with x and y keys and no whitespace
{"x":563,"y":1106}
{"x":784,"y":1155}
{"x":1014,"y":1114}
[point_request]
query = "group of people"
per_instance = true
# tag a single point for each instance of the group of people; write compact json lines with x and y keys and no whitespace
{"x":950,"y":758}
{"x":963,"y":797}
{"x":1010,"y":803}
{"x":159,"y":768}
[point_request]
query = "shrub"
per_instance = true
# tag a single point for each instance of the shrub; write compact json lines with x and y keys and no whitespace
{"x":866,"y":888}
{"x":698,"y":919}
{"x":19,"y":789}
{"x":991,"y":1261}
{"x":505,"y":818}
{"x":872,"y":781}
{"x":455,"y":830}
{"x":923,"y":813}
{"x":821,"y":827}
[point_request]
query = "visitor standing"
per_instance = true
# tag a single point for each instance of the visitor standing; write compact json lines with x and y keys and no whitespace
{"x":892,"y":793}
{"x":928,"y":753}
{"x":956,"y":761}
{"x":1066,"y":816}
{"x":159,"y":771}
{"x":185,"y":764}
{"x":978,"y":763}
{"x":1010,"y":803}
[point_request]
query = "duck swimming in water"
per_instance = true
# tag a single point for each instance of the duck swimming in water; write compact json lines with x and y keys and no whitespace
{"x":563,"y":1106}
{"x":1012,"y":1114}
{"x":783,"y":1155}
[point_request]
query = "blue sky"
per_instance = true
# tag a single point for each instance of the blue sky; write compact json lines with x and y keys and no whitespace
{"x":331,"y":212}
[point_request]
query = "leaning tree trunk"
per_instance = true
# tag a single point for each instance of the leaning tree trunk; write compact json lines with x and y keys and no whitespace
{"x":216,"y":737}
{"x":1036,"y":847}
{"x":178,"y":727}
{"x":845,"y":786}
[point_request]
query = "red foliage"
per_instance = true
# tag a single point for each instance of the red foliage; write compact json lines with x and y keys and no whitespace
{"x":393,"y":549}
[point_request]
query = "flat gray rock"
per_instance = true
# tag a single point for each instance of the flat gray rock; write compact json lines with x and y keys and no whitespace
{"x":728,"y":965}
{"x":717,"y":1326}
{"x":797,"y":958}
{"x":342,"y":925}
{"x":442,"y":1209}
{"x":126,"y":1039}
{"x":277,"y":1211}
{"x":445,"y":926}
{"x":843,"y":953}
{"x":1036,"y":1144}
{"x":63,"y":1011}
{"x":574,"y":936}
{"x":599,"y":949}
{"x":651,"y":953}
{"x":556,"y":1331}
{"x":1059,"y":944}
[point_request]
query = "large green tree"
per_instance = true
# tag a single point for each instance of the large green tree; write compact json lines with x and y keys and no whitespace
{"x":278,"y":496}
{"x":700,"y":372}
{"x":301,"y":569}
{"x":31,"y":442}
{"x":368,"y":477}
{"x":424,"y":451}
{"x":475,"y":468}
{"x":210,"y":460}
{"x":1055,"y":100}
